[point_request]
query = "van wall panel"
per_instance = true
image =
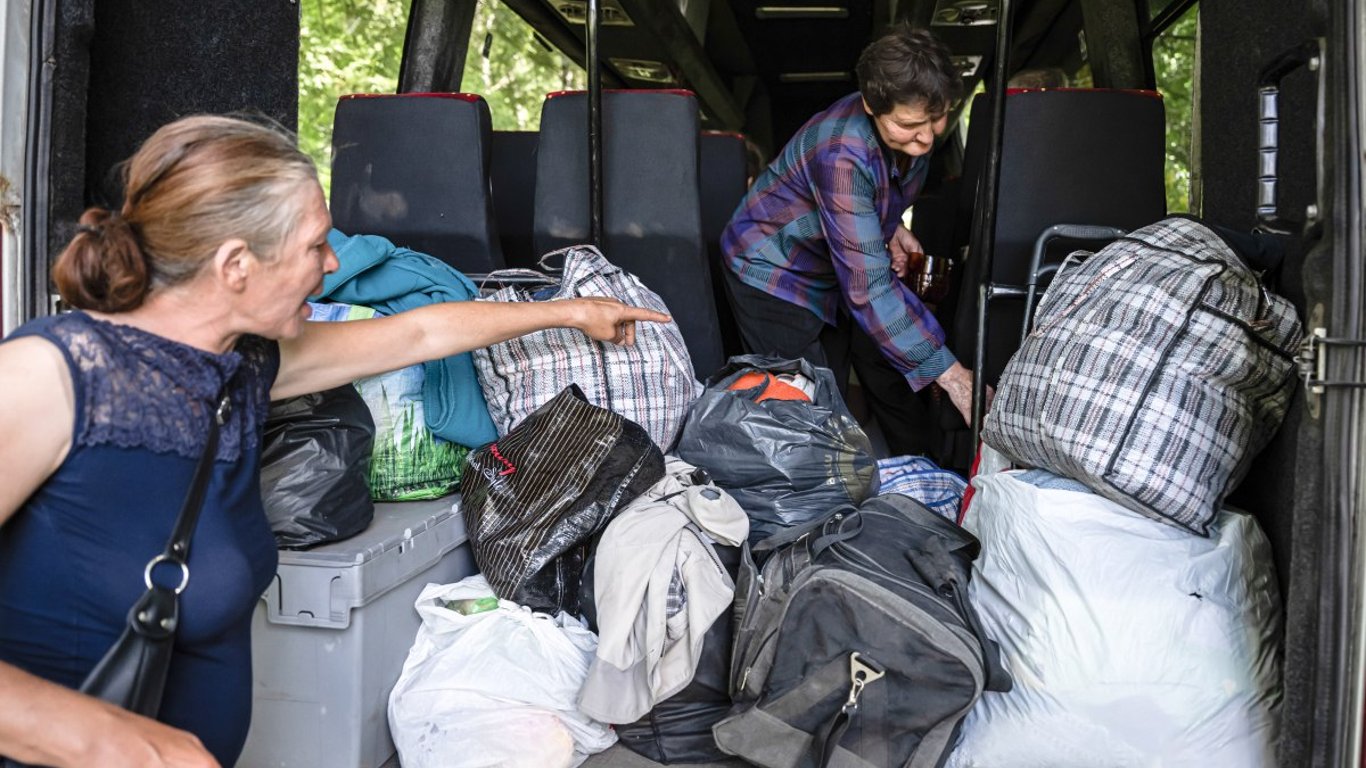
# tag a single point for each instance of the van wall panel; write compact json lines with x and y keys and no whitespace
{"x":151,"y":62}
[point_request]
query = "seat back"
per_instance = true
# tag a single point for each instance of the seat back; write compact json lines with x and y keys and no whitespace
{"x":724,"y":179}
{"x":652,"y":219}
{"x":1069,"y":156}
{"x":415,"y":168}
{"x":513,"y":176}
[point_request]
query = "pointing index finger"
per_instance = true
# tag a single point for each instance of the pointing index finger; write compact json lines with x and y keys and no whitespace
{"x":641,"y":313}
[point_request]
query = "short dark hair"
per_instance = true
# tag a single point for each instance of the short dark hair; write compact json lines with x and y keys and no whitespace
{"x":908,"y":66}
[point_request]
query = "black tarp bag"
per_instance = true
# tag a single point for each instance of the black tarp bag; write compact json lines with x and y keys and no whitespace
{"x":534,"y":500}
{"x":314,"y":459}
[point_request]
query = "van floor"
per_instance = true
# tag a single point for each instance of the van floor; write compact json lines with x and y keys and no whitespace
{"x":621,"y":757}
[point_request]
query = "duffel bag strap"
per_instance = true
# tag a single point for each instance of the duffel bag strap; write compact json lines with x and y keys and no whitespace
{"x":937,"y":568}
{"x":826,"y":739}
{"x":845,"y":532}
{"x":789,"y":535}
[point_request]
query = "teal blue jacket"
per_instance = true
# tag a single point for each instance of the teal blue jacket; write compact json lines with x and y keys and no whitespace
{"x":378,"y":274}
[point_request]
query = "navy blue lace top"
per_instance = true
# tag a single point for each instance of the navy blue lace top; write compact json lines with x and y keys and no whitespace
{"x":72,"y":557}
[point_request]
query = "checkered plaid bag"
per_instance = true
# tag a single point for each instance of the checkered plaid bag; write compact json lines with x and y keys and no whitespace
{"x":651,"y":383}
{"x":1157,"y":369}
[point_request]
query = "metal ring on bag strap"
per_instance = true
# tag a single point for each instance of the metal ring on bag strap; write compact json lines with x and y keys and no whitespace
{"x":164,"y":558}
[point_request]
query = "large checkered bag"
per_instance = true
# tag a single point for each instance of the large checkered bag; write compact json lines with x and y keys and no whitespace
{"x":1157,"y":369}
{"x":651,"y":382}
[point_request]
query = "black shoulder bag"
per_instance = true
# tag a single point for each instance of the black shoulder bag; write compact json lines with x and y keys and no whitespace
{"x":132,"y":673}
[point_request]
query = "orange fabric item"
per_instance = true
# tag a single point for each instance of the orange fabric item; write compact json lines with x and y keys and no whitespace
{"x":772,"y":389}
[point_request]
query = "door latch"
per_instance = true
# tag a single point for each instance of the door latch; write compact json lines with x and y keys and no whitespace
{"x":1312,"y":361}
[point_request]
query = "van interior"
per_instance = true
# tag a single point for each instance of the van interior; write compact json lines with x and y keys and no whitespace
{"x":1271,"y":141}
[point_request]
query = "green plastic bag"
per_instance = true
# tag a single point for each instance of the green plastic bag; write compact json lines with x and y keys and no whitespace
{"x":408,"y":461}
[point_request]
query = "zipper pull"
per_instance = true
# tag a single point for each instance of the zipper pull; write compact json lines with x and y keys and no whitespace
{"x":1262,"y":321}
{"x":861,"y":672}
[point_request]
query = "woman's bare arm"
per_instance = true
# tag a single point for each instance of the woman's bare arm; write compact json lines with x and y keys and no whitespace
{"x":326,"y":355}
{"x":36,"y":416}
{"x":47,"y":724}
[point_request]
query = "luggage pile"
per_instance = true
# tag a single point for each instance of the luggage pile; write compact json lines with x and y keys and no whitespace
{"x":613,"y":511}
{"x":705,"y":571}
{"x":1139,"y":615}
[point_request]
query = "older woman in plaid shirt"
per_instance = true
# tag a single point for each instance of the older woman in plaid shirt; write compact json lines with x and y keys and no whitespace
{"x":818,"y":239}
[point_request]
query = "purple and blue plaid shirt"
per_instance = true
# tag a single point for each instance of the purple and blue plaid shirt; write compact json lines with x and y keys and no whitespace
{"x":815,"y":226}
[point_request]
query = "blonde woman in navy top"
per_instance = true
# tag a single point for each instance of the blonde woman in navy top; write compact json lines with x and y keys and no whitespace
{"x":195,"y":287}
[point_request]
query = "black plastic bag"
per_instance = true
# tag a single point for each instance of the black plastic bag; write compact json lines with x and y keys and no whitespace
{"x":313,"y":466}
{"x":534,"y":500}
{"x":786,"y":462}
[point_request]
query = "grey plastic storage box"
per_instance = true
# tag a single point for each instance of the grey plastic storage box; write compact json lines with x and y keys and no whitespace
{"x":331,"y":633}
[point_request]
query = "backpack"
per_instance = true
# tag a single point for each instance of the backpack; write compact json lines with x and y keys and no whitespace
{"x":855,"y":644}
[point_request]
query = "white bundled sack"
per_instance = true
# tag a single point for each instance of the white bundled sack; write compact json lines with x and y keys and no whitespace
{"x":1131,"y":642}
{"x":493,"y":688}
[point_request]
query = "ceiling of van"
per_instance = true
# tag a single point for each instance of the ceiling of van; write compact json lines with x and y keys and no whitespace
{"x":765,"y":66}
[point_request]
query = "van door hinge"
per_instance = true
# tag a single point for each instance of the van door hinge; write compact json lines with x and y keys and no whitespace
{"x":1313,"y":361}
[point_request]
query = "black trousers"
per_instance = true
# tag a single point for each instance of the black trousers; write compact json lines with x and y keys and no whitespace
{"x":769,"y":325}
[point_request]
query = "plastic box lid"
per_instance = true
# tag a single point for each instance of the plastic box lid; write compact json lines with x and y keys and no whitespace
{"x":320,"y":587}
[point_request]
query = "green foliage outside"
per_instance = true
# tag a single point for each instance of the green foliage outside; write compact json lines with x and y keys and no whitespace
{"x":518,"y":71}
{"x":346,"y":46}
{"x":1174,"y":65}
{"x":356,"y":46}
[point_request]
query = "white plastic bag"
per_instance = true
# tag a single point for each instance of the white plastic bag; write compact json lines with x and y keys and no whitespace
{"x":495,"y":688}
{"x":1131,"y":642}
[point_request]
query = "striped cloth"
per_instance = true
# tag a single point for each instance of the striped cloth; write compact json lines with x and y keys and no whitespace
{"x":651,"y":383}
{"x":921,"y":479}
{"x":1159,"y":367}
{"x":813,"y":230}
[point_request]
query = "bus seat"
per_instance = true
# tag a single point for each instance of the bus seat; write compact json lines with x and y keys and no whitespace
{"x":652,"y":219}
{"x":414,"y":168}
{"x":724,"y":180}
{"x":1069,"y":156}
{"x":513,"y":173}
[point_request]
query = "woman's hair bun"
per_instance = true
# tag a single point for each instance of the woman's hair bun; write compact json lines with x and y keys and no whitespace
{"x":103,"y":267}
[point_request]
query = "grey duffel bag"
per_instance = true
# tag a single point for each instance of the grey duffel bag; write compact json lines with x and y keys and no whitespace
{"x":856,"y":647}
{"x":1157,"y":368}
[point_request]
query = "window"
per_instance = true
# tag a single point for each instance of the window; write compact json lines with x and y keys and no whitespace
{"x":1174,"y":61}
{"x":345,"y":46}
{"x":513,"y":68}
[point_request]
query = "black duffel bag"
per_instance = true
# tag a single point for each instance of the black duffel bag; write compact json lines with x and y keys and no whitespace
{"x":856,"y":644}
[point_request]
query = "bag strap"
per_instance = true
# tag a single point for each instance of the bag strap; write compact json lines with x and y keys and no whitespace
{"x":789,"y":535}
{"x":844,"y":532}
{"x":177,"y":549}
{"x":936,"y":565}
{"x":826,"y":738}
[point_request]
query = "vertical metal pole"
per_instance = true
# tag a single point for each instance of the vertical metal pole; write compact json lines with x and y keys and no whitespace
{"x":984,"y":234}
{"x":594,"y":125}
{"x":435,"y":44}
